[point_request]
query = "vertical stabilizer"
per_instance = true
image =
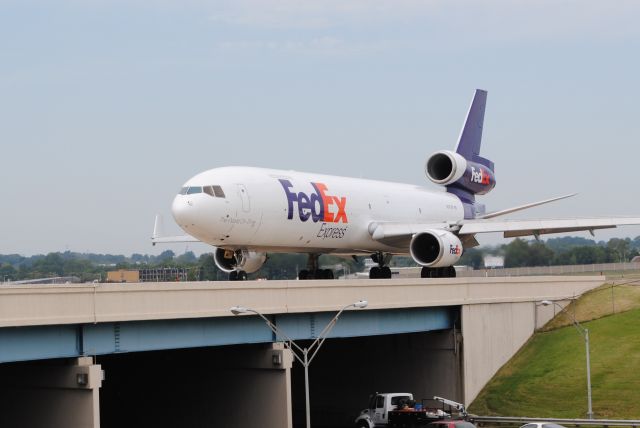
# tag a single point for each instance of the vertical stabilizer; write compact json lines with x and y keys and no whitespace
{"x":471,"y":135}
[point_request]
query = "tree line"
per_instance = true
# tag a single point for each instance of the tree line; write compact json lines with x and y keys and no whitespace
{"x":555,"y":252}
{"x":90,"y":267}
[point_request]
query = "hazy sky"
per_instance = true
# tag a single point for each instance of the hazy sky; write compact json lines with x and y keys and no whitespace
{"x":107,"y":107}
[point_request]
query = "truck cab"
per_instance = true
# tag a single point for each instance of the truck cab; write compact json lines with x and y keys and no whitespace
{"x":377,"y":415}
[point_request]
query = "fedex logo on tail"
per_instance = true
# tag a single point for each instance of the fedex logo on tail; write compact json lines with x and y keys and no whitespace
{"x":480,"y":176}
{"x":319,"y":206}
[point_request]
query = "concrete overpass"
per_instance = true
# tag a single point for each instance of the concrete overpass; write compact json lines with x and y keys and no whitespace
{"x":429,"y":336}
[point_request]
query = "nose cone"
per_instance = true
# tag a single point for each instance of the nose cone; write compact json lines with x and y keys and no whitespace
{"x":182,"y":211}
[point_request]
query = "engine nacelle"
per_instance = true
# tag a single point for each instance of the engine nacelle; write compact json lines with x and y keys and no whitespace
{"x":229,"y":260}
{"x":445,"y":167}
{"x":435,"y":248}
{"x":450,"y":168}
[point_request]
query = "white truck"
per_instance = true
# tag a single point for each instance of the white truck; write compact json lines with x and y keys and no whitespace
{"x":398,"y":409}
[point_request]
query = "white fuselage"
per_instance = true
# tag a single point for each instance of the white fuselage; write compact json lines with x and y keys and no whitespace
{"x":288,"y":211}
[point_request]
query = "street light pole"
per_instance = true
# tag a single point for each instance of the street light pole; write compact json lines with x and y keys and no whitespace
{"x":585,"y":333}
{"x":302,"y":354}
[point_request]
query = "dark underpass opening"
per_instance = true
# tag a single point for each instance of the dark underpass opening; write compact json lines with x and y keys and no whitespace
{"x":219,"y":387}
{"x":347,"y":371}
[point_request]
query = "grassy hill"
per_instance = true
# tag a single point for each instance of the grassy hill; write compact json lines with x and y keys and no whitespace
{"x":547,"y":377}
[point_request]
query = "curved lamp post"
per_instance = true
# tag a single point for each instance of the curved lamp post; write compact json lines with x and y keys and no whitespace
{"x":304,"y":355}
{"x":585,"y":333}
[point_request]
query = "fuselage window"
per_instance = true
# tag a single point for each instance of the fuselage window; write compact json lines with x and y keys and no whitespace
{"x":208,"y":190}
{"x":194,"y":189}
{"x":183,"y":191}
{"x":218,"y":191}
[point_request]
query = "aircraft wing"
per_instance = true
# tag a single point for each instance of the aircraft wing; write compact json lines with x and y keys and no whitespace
{"x":515,"y":228}
{"x":399,"y":234}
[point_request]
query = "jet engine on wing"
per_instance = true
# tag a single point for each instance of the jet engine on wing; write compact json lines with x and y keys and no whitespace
{"x":449,"y":168}
{"x":229,"y":260}
{"x":435,"y":248}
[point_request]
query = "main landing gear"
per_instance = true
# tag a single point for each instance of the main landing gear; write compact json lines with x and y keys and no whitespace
{"x":381,"y":271}
{"x":443,"y":272}
{"x":237,"y":275}
{"x":313,"y":272}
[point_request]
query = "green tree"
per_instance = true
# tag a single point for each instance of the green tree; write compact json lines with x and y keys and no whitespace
{"x":165,"y":257}
{"x":516,"y":253}
{"x":187,"y":258}
{"x":539,"y":254}
{"x":8,"y":272}
{"x":473,"y":257}
{"x":619,"y":249}
{"x":51,"y":264}
{"x":209,"y":270}
{"x":519,"y":253}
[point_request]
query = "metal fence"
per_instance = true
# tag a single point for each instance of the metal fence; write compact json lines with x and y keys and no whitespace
{"x":551,"y":270}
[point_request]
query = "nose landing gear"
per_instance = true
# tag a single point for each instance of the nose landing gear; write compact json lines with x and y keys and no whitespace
{"x":312,"y":271}
{"x":237,"y":275}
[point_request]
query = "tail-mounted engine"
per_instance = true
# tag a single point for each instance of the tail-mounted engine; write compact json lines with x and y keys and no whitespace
{"x":451,"y":169}
{"x":229,"y":260}
{"x":435,"y":248}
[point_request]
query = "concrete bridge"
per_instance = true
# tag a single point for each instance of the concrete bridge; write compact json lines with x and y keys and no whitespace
{"x":172,"y":353}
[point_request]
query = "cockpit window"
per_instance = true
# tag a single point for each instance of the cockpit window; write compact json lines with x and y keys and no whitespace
{"x":215,"y":191}
{"x":183,"y":191}
{"x":194,"y":189}
{"x":218,"y":191}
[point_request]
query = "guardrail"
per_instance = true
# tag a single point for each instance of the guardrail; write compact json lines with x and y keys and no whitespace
{"x":575,"y":422}
{"x":552,"y":270}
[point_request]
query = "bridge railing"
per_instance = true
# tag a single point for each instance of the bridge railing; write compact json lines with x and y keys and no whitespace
{"x":552,"y":270}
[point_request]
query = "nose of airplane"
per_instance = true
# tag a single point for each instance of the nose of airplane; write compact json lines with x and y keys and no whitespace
{"x":180,"y":209}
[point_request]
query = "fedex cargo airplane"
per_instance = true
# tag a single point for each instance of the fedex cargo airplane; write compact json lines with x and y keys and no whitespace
{"x":246,"y":213}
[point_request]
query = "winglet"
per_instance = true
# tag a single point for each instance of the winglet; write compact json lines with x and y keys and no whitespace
{"x":471,"y":134}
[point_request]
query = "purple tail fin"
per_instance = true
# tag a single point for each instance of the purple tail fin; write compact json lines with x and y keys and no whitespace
{"x":471,"y":135}
{"x":478,"y":178}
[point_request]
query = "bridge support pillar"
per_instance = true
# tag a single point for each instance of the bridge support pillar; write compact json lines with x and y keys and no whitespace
{"x":259,"y":390}
{"x":62,"y":395}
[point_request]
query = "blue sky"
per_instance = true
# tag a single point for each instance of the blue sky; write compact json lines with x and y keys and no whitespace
{"x":109,"y":106}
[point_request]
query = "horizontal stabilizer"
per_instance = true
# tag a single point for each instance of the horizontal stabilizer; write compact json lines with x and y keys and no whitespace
{"x":524,"y":207}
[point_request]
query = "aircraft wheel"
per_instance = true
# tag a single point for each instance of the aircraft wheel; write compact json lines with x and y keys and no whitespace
{"x":233,"y":276}
{"x":328,"y":274}
{"x":303,"y":274}
{"x":426,"y":272}
{"x":242,"y":275}
{"x":451,"y":272}
{"x":374,"y":273}
{"x":385,"y":272}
